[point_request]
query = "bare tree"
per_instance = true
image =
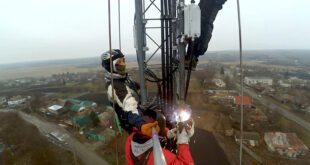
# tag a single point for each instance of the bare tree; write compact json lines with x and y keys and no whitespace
{"x":25,"y":145}
{"x":229,"y":84}
{"x":94,"y":117}
{"x":222,"y":71}
{"x":37,"y":102}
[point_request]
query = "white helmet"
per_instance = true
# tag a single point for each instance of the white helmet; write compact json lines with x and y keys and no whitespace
{"x":105,"y":58}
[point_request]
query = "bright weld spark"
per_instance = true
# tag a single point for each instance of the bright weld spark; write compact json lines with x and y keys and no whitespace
{"x":184,"y":115}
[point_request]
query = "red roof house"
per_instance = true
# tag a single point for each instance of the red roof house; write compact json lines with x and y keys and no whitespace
{"x":246,"y":101}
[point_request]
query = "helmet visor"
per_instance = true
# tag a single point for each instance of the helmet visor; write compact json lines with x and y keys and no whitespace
{"x":120,"y":66}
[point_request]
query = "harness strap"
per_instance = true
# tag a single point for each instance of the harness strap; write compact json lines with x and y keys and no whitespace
{"x":143,"y":157}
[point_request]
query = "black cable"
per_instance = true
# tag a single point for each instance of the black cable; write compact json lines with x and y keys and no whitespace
{"x":189,"y":69}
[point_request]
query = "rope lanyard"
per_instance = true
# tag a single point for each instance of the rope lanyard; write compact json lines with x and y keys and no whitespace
{"x":110,"y":49}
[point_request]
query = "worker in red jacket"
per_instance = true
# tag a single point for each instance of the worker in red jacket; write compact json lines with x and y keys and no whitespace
{"x":139,"y":147}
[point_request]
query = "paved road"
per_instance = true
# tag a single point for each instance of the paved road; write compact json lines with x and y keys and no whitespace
{"x":205,"y":149}
{"x":88,"y":157}
{"x":289,"y":115}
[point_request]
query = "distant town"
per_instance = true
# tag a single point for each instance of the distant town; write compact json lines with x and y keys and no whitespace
{"x":71,"y":110}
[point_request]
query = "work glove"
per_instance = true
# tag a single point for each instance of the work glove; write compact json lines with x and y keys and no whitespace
{"x":186,"y":133}
{"x":146,"y":129}
{"x":172,"y":133}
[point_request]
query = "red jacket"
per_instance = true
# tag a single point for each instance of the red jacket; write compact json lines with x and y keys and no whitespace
{"x":184,"y":156}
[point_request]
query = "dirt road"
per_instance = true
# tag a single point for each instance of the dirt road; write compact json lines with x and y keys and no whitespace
{"x":88,"y":157}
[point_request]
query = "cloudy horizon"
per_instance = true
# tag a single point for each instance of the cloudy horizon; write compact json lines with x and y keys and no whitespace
{"x":34,"y":30}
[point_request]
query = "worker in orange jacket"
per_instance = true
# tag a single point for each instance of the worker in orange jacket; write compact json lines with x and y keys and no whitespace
{"x":139,"y":147}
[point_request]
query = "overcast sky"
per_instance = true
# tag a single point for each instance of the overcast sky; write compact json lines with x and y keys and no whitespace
{"x":32,"y":30}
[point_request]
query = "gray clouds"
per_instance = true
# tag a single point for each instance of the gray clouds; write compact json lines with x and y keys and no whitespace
{"x":45,"y":29}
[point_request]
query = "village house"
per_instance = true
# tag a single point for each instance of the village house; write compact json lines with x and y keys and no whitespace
{"x":105,"y":117}
{"x":258,"y":81}
{"x":268,"y":90}
{"x":79,"y":107}
{"x":56,"y":109}
{"x":80,"y":122}
{"x":17,"y":101}
{"x":246,"y":101}
{"x":80,"y":112}
{"x":292,"y":82}
{"x":287,"y":144}
{"x":248,"y":138}
{"x":297,"y":82}
{"x":284,"y":84}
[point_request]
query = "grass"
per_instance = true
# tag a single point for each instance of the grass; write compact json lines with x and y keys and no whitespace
{"x":42,"y":71}
{"x":109,"y":151}
{"x":65,"y":95}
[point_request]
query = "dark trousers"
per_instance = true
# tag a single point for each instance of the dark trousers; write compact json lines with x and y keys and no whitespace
{"x":209,"y":10}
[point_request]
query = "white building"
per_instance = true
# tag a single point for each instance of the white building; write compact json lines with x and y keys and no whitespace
{"x":16,"y":101}
{"x":284,"y":84}
{"x":292,"y":82}
{"x":295,"y":81}
{"x":287,"y":144}
{"x":258,"y":80}
{"x":55,"y":109}
{"x":219,"y":83}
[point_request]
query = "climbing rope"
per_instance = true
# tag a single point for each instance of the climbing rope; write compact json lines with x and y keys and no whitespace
{"x":241,"y":82}
{"x":111,"y":68}
{"x":189,"y":71}
{"x":119,"y":26}
{"x":120,"y":48}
